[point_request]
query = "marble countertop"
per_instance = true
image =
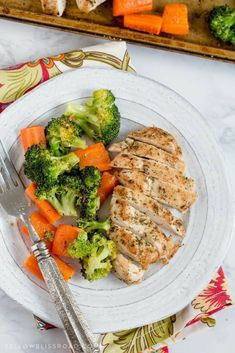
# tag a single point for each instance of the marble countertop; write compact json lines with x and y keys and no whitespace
{"x":209,"y":86}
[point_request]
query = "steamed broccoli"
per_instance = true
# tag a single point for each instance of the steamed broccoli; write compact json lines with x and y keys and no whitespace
{"x":43,"y":168}
{"x":91,"y":226}
{"x":62,"y":135}
{"x":99,"y":263}
{"x":222,"y":23}
{"x":90,"y":204}
{"x":48,"y":235}
{"x":80,"y":247}
{"x":99,"y":118}
{"x":71,"y":189}
{"x":91,"y":177}
{"x":64,"y":195}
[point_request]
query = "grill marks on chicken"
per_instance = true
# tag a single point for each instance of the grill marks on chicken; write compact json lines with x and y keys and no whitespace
{"x":166,"y":193}
{"x":151,"y":152}
{"x":152,"y":208}
{"x":152,"y":168}
{"x":158,"y":138}
{"x":126,"y":216}
{"x":136,"y":248}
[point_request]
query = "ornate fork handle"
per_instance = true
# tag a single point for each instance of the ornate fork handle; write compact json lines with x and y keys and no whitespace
{"x":76,"y":328}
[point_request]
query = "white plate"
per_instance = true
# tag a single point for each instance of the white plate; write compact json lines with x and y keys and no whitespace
{"x":110,"y":305}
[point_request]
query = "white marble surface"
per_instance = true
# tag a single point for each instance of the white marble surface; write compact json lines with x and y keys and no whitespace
{"x":210,"y":87}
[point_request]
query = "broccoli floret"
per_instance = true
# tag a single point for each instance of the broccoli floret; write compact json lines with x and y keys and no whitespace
{"x":91,"y":226}
{"x":99,"y":118}
{"x":71,"y":189}
{"x":80,"y":247}
{"x":90,"y":204}
{"x":43,"y":168}
{"x":49,"y":235}
{"x":99,"y":263}
{"x":50,"y":194}
{"x":63,"y":134}
{"x":91,"y":177}
{"x":63,"y":195}
{"x":222,"y":23}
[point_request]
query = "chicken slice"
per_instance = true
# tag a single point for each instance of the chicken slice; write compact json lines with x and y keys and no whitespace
{"x":159,"y":138}
{"x":53,"y":7}
{"x":133,"y":246}
{"x":126,"y":216}
{"x":152,"y":208}
{"x":152,"y":168}
{"x":145,"y":150}
{"x":127,"y":270}
{"x":166,"y":193}
{"x":88,"y":5}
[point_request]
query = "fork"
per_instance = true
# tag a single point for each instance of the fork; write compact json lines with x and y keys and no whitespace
{"x":12,"y":199}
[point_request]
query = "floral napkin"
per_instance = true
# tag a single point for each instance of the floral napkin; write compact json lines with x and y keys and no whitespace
{"x":20,"y":79}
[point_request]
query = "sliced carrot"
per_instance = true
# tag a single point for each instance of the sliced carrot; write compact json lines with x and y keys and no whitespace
{"x":108,"y":183}
{"x":175,"y":19}
{"x":32,"y":135}
{"x":144,"y":23}
{"x":94,"y":155}
{"x":64,"y":235}
{"x":66,"y":270}
{"x":42,"y":226}
{"x":44,"y":207}
{"x":31,"y":265}
{"x":127,"y":7}
{"x":103,"y":166}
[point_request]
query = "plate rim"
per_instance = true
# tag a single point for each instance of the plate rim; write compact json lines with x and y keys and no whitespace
{"x":179,"y":98}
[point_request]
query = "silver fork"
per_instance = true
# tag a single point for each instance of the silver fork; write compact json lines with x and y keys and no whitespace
{"x":15,"y":204}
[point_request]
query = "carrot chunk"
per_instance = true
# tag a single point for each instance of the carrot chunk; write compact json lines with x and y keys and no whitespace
{"x":32,"y":135}
{"x":43,"y":228}
{"x":31,"y":265}
{"x":144,"y":23}
{"x":175,"y":19}
{"x":127,"y":7}
{"x":108,"y":183}
{"x":44,"y":206}
{"x":64,"y":235}
{"x":95,"y":155}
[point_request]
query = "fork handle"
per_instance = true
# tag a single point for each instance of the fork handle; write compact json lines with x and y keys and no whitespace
{"x":76,"y":327}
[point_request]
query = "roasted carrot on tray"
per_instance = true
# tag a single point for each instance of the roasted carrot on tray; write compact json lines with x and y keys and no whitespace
{"x":44,"y":207}
{"x":126,"y":7}
{"x":32,"y":135}
{"x":31,"y":265}
{"x":144,"y":23}
{"x":175,"y":19}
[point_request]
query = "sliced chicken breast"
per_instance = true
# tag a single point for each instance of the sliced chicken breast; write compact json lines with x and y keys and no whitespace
{"x":127,"y":270}
{"x":166,"y":193}
{"x":88,"y":5}
{"x":145,"y":150}
{"x":126,"y":216}
{"x":159,"y":138}
{"x":152,"y":168}
{"x":133,"y":246}
{"x":53,"y":7}
{"x":152,"y":208}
